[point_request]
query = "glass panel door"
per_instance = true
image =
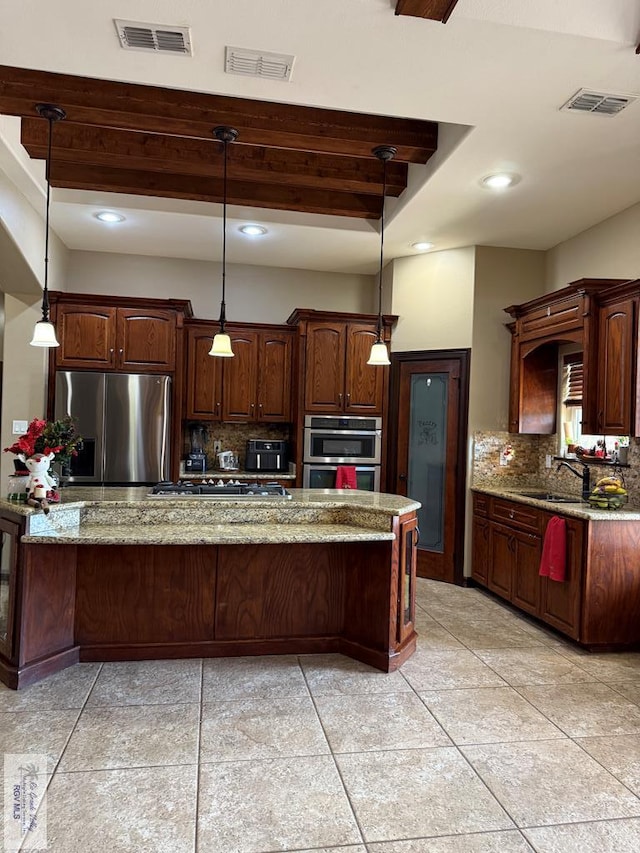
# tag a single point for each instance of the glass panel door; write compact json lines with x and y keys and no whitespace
{"x":8,"y":539}
{"x":428,"y":454}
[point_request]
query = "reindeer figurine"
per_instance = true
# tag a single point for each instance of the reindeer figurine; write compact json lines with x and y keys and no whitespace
{"x":39,"y":482}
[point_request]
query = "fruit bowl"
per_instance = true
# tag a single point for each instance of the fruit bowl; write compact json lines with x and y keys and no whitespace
{"x":607,"y":501}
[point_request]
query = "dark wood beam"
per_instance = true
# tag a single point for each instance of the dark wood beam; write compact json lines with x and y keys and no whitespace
{"x":436,"y":10}
{"x":247,"y":194}
{"x":152,"y":109}
{"x":121,"y":149}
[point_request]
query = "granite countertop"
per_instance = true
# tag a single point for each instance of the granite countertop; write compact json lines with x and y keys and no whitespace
{"x":120,"y":515}
{"x":579,"y":509}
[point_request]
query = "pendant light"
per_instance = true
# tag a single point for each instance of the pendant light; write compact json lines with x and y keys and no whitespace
{"x":44,"y":333}
{"x":221,"y":346}
{"x":379,"y":355}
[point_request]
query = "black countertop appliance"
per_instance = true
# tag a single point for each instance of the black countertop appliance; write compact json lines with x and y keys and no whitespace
{"x":266,"y":455}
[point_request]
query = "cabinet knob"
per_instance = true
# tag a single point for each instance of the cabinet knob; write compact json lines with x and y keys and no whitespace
{"x":511,"y":513}
{"x":111,"y":350}
{"x":121,"y":350}
{"x":348,"y":398}
{"x":253,"y":405}
{"x":340,"y":397}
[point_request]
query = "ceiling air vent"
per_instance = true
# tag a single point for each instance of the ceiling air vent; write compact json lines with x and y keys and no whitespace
{"x":598,"y":103}
{"x":155,"y":37}
{"x":258,"y":63}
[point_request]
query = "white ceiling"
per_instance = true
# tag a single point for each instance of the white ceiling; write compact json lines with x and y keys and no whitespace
{"x":495,"y":76}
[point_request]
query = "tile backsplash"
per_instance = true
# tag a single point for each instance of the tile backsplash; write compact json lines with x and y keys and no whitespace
{"x":527,"y":467}
{"x":234,"y":437}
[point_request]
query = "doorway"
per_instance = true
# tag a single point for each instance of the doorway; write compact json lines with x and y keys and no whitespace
{"x":427,"y":452}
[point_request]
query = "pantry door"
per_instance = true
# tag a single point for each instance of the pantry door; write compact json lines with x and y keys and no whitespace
{"x":429,"y":402}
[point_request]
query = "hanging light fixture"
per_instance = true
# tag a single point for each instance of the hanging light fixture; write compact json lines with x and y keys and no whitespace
{"x":379,"y":354}
{"x":44,"y":333}
{"x":221,"y":346}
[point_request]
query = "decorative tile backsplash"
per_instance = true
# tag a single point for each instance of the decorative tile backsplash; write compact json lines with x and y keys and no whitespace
{"x":527,"y":466}
{"x":234,"y":437}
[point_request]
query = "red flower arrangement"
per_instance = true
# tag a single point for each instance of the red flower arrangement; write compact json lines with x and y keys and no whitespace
{"x":42,"y":436}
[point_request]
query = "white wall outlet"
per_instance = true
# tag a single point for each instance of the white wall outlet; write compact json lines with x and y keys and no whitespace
{"x":503,"y":459}
{"x":19,"y":427}
{"x":217,"y":445}
{"x":547,"y":461}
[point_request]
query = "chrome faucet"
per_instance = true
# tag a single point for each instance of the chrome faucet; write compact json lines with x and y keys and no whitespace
{"x":585,"y":476}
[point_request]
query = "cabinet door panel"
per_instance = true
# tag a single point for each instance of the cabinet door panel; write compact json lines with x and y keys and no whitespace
{"x":407,"y":578}
{"x":87,"y":336}
{"x":615,"y":368}
{"x":146,"y":340}
{"x":480,"y":549}
{"x":526,"y":572}
{"x":324,"y":384}
{"x":560,"y":602}
{"x":364,"y":384}
{"x":204,"y":376}
{"x":502,"y":545}
{"x":9,"y":539}
{"x":239,"y":389}
{"x":274,"y":376}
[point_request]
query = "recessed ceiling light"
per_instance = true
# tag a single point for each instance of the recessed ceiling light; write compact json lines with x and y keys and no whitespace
{"x":109,"y":216}
{"x":421,"y":246}
{"x":500,"y":181}
{"x":253,"y":230}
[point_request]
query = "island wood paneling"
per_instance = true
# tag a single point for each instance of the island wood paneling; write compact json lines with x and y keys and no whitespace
{"x":145,"y":594}
{"x":269,"y":591}
{"x":46,"y":600}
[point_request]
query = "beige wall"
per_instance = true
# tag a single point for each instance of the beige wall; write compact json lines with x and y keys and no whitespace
{"x":433,"y":296}
{"x":610,"y":249}
{"x":254,"y":294}
{"x":502,"y":277}
{"x":24,"y":372}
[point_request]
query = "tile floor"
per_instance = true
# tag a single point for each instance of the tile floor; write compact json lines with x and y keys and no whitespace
{"x":496,"y":737}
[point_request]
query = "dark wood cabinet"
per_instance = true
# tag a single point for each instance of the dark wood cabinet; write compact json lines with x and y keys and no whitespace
{"x":204,"y":376}
{"x":254,"y":385}
{"x":338,"y":378}
{"x":507,"y":538}
{"x":136,"y":340}
{"x":616,"y":393}
{"x":10,"y":533}
{"x":481,"y":556}
{"x":406,"y":578}
{"x":540,"y":327}
{"x":560,"y":602}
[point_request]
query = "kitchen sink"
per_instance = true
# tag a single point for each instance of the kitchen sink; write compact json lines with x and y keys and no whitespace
{"x":549,"y":496}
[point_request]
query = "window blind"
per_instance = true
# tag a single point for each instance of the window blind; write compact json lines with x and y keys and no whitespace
{"x":574,"y":376}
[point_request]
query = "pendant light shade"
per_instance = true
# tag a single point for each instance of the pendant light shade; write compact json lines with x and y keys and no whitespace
{"x":379,"y":354}
{"x":221,"y":346}
{"x":44,"y":333}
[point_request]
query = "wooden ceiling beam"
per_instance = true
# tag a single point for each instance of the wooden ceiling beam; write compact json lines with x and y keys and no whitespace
{"x":129,"y":106}
{"x":244,"y":193}
{"x":435,"y":10}
{"x":93,"y":146}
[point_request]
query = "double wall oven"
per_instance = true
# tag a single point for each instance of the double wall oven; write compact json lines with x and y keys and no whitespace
{"x":331,"y":441}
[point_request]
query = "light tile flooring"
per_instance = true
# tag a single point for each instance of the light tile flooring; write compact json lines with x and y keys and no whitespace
{"x":496,"y":737}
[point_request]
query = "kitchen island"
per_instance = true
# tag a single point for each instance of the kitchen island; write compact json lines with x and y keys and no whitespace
{"x":112,"y":574}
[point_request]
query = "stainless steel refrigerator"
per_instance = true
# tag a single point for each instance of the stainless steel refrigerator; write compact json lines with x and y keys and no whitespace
{"x":124,"y":419}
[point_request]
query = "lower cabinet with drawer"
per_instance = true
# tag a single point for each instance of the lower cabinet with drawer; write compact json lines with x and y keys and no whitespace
{"x":506,"y":551}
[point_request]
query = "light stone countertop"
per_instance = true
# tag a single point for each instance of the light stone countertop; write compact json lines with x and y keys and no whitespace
{"x":580,"y":509}
{"x":121,"y":515}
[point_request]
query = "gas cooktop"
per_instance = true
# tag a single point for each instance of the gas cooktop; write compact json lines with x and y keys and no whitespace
{"x":210,"y":489}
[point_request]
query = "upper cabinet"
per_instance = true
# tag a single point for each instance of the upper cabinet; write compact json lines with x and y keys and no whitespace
{"x":570,"y":315}
{"x":134,"y":336}
{"x":616,"y":396}
{"x":254,"y":385}
{"x":334,"y":353}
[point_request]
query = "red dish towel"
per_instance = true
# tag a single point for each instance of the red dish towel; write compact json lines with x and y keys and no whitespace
{"x":554,"y":550}
{"x":346,"y":477}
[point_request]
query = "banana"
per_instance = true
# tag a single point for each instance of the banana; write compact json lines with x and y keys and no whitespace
{"x":609,"y":481}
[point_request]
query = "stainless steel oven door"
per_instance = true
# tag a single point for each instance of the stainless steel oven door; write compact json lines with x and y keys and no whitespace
{"x":342,"y":446}
{"x":324,"y":477}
